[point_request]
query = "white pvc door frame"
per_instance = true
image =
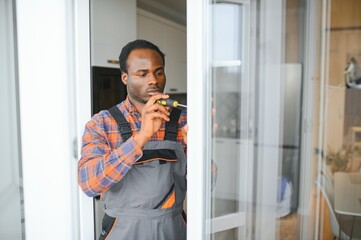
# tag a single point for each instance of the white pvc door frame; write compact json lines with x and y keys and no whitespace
{"x":197,"y":25}
{"x":54,"y":91}
{"x":83,"y":105}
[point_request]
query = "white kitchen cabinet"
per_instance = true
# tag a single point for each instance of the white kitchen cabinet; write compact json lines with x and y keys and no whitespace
{"x":227,"y":158}
{"x":171,"y":38}
{"x":113,"y":24}
{"x":228,"y":75}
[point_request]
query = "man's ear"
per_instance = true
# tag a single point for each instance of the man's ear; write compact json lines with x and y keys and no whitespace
{"x":124,"y":77}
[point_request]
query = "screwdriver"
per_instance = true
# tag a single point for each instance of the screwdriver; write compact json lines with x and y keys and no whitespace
{"x":170,"y":103}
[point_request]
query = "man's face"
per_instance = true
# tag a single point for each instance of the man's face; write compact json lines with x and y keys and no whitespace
{"x":145,"y":76}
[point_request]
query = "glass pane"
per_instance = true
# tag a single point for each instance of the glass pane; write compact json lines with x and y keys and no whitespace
{"x":11,"y":200}
{"x":260,"y":173}
{"x":227,"y":198}
{"x":282,"y":64}
{"x":286,"y":136}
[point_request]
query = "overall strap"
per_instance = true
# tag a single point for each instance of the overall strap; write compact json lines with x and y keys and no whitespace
{"x":171,"y":127}
{"x":123,"y":125}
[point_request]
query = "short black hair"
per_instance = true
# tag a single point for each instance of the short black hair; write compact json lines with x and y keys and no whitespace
{"x":136,"y":44}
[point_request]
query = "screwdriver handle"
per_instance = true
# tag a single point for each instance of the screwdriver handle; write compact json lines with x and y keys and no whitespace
{"x":168,"y":102}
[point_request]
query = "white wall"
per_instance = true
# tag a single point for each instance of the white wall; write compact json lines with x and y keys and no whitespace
{"x":335,"y":115}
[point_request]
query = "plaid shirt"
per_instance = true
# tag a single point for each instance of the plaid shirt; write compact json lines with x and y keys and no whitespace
{"x":105,"y":158}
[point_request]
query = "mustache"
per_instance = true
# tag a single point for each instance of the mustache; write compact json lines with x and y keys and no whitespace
{"x":153,"y":88}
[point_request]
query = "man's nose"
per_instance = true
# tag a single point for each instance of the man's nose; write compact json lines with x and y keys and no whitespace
{"x":153,"y":79}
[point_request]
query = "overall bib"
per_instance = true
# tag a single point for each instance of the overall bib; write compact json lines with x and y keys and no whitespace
{"x":147,"y":203}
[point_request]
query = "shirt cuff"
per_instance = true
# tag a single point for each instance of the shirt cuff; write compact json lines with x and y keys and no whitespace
{"x":130,"y":151}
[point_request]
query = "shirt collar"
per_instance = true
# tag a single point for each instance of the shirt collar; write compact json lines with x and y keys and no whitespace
{"x":129,"y":106}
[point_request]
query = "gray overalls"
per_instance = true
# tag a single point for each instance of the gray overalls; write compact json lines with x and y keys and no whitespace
{"x":147,"y":203}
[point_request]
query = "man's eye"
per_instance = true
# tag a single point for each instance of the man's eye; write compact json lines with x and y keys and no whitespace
{"x":160,"y":73}
{"x":142,"y":74}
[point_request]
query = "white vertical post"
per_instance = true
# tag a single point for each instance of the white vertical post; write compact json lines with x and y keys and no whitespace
{"x":196,"y":93}
{"x":321,"y":124}
{"x":46,"y":59}
{"x":269,"y":114}
{"x":309,"y":168}
{"x":83,"y":104}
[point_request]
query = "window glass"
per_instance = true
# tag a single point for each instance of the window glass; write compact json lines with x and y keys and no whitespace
{"x":11,"y":197}
{"x":229,"y":132}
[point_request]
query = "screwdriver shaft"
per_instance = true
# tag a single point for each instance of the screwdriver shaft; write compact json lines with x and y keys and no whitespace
{"x":182,"y":105}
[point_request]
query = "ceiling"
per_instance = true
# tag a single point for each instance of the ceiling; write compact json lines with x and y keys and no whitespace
{"x":174,"y":10}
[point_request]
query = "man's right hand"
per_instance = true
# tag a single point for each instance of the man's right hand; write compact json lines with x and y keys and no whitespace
{"x":152,"y":116}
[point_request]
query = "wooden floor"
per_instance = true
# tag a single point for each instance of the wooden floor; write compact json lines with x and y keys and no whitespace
{"x":289,"y":227}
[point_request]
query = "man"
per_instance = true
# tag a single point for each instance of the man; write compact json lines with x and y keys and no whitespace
{"x":133,"y":155}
